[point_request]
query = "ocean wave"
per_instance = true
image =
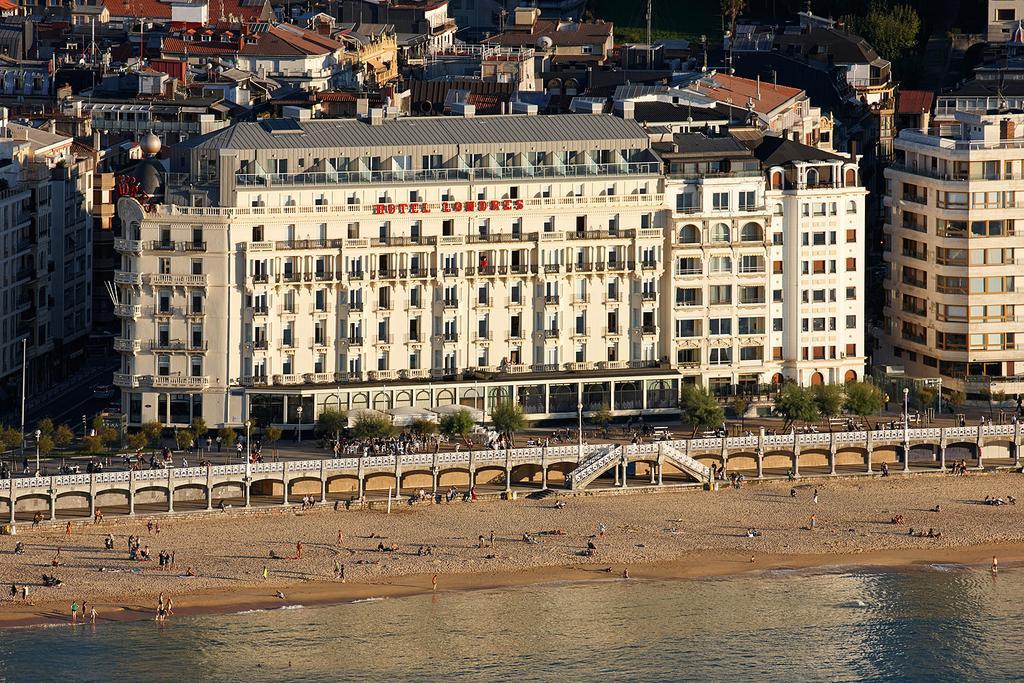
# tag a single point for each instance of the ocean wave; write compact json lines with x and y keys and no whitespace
{"x":356,"y":602}
{"x":292,"y":607}
{"x":948,"y":567}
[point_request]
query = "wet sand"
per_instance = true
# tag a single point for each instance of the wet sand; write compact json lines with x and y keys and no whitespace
{"x":677,"y":534}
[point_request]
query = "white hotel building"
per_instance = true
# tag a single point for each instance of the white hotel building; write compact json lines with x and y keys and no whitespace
{"x":424,"y":262}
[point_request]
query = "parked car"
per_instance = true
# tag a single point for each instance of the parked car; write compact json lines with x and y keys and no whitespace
{"x":103,"y":391}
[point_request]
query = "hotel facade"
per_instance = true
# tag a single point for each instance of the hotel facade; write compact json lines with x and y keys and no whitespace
{"x":297,"y":266}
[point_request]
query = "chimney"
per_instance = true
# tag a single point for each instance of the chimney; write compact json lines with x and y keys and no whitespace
{"x":628,"y":109}
{"x":96,"y":139}
{"x":51,"y":126}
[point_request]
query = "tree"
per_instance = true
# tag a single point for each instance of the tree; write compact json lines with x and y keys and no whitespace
{"x":331,"y":422}
{"x":508,"y":418}
{"x":92,"y":444}
{"x":137,"y":441}
{"x":183,"y":438}
{"x":227,"y":435}
{"x":892,"y":31}
{"x":108,"y":435}
{"x":423,"y":428}
{"x":10,"y":438}
{"x":369,"y":426}
{"x":796,"y":404}
{"x":153,"y":430}
{"x":956,"y":399}
{"x":830,"y":399}
{"x":926,"y":396}
{"x":699,"y":408}
{"x":864,"y":398}
{"x":271,"y":435}
{"x":731,"y":10}
{"x":602,"y":417}
{"x":458,"y":424}
{"x":45,"y":444}
{"x":199,"y":428}
{"x":46,"y":426}
{"x":63,"y":436}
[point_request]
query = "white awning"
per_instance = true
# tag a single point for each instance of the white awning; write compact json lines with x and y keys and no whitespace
{"x":477,"y":415}
{"x":406,"y":415}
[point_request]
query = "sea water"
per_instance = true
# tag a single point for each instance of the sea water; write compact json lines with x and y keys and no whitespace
{"x":938,"y":623}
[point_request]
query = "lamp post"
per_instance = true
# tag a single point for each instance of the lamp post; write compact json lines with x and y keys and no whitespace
{"x":298,"y":431}
{"x":906,"y":428}
{"x":248,"y":460}
{"x":39,"y":433}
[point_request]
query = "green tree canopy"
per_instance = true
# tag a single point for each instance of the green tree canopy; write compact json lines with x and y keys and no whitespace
{"x":152,"y":430}
{"x":199,"y":428}
{"x":137,"y":441}
{"x":830,"y":399}
{"x":423,"y":428}
{"x":458,"y":424}
{"x":272,"y":434}
{"x":331,"y":422}
{"x":698,"y":408}
{"x":891,"y":30}
{"x":864,"y":398}
{"x":63,"y":436}
{"x":602,"y":417}
{"x":46,"y":426}
{"x":796,"y":404}
{"x":10,"y":438}
{"x":370,"y":426}
{"x":227,"y":435}
{"x":508,"y":418}
{"x":183,"y":438}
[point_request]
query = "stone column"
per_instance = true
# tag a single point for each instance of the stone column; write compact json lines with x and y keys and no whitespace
{"x":284,"y":482}
{"x":868,"y":447}
{"x":472,"y":476}
{"x":796,"y":457}
{"x":53,"y":500}
{"x":759,"y":458}
{"x":906,"y":456}
{"x":398,"y":474}
{"x":434,"y":473}
{"x":832,"y":461}
{"x":942,"y":458}
{"x":92,"y":496}
{"x":661,"y":466}
{"x":654,"y":473}
{"x":209,"y":487}
{"x":131,"y":492}
{"x":323,"y":481}
{"x":980,"y":445}
{"x":246,"y":489}
{"x":11,"y":494}
{"x":625,"y":466}
{"x":170,"y":489}
{"x":544,"y":469}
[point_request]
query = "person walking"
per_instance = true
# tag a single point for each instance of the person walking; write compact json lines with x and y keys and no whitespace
{"x":433,"y":583}
{"x":266,"y":572}
{"x":92,"y":616}
{"x":74,"y":612}
{"x":814,"y":522}
{"x":815,"y":498}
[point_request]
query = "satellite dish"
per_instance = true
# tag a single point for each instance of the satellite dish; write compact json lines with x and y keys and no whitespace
{"x":545,"y":43}
{"x":426,"y":106}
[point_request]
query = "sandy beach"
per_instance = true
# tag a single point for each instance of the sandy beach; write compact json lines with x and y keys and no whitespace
{"x":682,"y":533}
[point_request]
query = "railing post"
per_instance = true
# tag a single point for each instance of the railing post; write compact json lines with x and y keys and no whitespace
{"x":759,"y":457}
{"x":284,"y":482}
{"x":868,"y":447}
{"x":543,"y":469}
{"x":11,"y":483}
{"x":92,"y":495}
{"x":624,"y":453}
{"x":53,"y":500}
{"x":170,"y":489}
{"x":398,"y":475}
{"x":796,"y":455}
{"x":360,"y":479}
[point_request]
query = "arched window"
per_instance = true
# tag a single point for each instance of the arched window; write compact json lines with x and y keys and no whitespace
{"x":851,"y":206}
{"x":689,"y":234}
{"x":720,"y":233}
{"x":777,"y":378}
{"x":751,"y":232}
{"x":851,"y":376}
{"x":851,"y":177}
{"x":777,"y":180}
{"x":778,"y":209}
{"x":812,"y":177}
{"x":817,"y":379}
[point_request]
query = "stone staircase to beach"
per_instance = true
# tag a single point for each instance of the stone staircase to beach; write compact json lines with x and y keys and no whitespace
{"x":691,"y":466}
{"x":594,"y":466}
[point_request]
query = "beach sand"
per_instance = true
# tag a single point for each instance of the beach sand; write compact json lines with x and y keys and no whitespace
{"x":674,"y":534}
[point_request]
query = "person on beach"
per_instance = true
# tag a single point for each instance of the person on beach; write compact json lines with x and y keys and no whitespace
{"x":266,"y":572}
{"x":67,"y":529}
{"x":815,"y":498}
{"x":492,"y":538}
{"x":74,"y":612}
{"x":814,"y":522}
{"x":298,"y":550}
{"x":480,"y":545}
{"x":149,"y":526}
{"x":995,"y":564}
{"x":433,"y":582}
{"x":92,"y":616}
{"x":625,"y":572}
{"x":341,"y":537}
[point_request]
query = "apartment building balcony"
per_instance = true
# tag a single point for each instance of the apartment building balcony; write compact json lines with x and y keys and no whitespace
{"x":354,"y":340}
{"x":162,"y":280}
{"x":450,"y":271}
{"x":414,"y":373}
{"x":127,"y":310}
{"x":551,"y":300}
{"x":621,"y":266}
{"x":194,"y":246}
{"x":130,"y":345}
{"x":522,"y":269}
{"x":648,"y":296}
{"x":549,"y":333}
{"x":155,"y":245}
{"x":123,"y":246}
{"x":552,"y":268}
{"x":125,"y":278}
{"x":385,"y":339}
{"x":646,"y":330}
{"x":441,"y":175}
{"x":320,"y":342}
{"x":445,"y":338}
{"x":354,"y":306}
{"x":176,"y":345}
{"x":920,"y":255}
{"x":382,"y":375}
{"x":450,"y":303}
{"x":581,"y":332}
{"x":580,"y":366}
{"x":612,"y":331}
{"x":127,"y":381}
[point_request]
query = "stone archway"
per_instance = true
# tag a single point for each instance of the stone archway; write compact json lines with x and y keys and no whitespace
{"x":817,"y":378}
{"x":850,"y":376}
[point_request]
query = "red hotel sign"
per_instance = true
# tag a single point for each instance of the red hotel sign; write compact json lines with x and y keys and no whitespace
{"x":452,"y":207}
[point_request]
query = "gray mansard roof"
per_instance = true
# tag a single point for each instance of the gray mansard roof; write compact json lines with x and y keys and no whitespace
{"x":403,"y":133}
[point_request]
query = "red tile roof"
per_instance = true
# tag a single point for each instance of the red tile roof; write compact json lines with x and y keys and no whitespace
{"x":914,"y":101}
{"x":177,"y":46}
{"x":246,"y":10}
{"x":736,"y":91}
{"x":286,"y":40}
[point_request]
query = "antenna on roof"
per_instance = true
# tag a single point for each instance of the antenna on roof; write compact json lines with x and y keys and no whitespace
{"x":650,"y":49}
{"x":759,"y":87}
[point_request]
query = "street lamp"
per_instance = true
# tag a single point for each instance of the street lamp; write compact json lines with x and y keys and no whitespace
{"x":248,"y":461}
{"x":299,"y":430}
{"x":39,"y":433}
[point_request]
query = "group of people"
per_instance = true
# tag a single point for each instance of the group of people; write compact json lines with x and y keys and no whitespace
{"x":1009,"y":500}
{"x":958,"y":467}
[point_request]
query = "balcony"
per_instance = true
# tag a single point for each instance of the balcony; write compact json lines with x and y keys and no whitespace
{"x":648,"y":330}
{"x":195,"y":246}
{"x":321,"y":342}
{"x":127,"y":381}
{"x":919,"y":255}
{"x":382,"y":375}
{"x":160,"y":280}
{"x":259,"y":311}
{"x":552,"y":268}
{"x":648,"y":296}
{"x":551,"y":300}
{"x":130,"y":345}
{"x":450,"y":303}
{"x":355,"y":340}
{"x":127,"y":311}
{"x":915,"y":198}
{"x":123,"y":246}
{"x":175,"y":345}
{"x":550,"y":334}
{"x":581,"y":332}
{"x":446,"y":338}
{"x":446,"y":174}
{"x":611,"y":331}
{"x":355,"y":306}
{"x":648,"y":265}
{"x":385,"y":339}
{"x":161,"y":246}
{"x":125,"y":278}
